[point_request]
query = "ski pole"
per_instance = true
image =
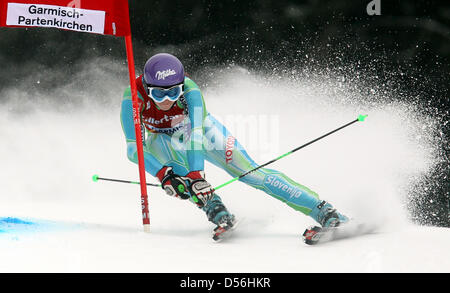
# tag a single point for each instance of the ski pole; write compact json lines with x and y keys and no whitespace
{"x":360,"y":118}
{"x":95,"y":178}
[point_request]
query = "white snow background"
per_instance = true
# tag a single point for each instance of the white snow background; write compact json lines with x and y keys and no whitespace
{"x":51,"y":148}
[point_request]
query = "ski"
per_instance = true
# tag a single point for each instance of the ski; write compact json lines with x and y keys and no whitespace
{"x":223,"y":232}
{"x":315,"y":234}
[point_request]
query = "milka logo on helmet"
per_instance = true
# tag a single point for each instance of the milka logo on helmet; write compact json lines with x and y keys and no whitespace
{"x":165,"y":73}
{"x":278,"y":183}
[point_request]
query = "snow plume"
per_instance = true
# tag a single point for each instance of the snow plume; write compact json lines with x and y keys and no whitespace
{"x":58,"y":130}
{"x":60,"y":135}
{"x":368,"y":170}
{"x":55,"y":139}
{"x":91,"y":83}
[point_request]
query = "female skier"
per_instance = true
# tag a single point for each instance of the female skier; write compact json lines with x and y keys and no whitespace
{"x":181,"y":134}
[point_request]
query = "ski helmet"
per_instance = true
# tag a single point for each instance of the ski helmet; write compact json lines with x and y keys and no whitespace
{"x":163,"y":70}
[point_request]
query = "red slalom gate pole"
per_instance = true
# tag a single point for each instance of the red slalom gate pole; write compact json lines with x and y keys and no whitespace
{"x":107,"y":17}
{"x":137,"y":129}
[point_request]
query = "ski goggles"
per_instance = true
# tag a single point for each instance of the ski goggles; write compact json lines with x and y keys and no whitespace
{"x":161,"y":94}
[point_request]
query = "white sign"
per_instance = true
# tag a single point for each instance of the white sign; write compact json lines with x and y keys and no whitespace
{"x":62,"y":17}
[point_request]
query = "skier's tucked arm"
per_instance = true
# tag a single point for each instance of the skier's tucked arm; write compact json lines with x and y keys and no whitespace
{"x":197,"y":114}
{"x":152,"y":165}
{"x":198,"y":187}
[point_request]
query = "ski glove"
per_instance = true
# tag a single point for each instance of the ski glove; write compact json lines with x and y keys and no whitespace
{"x":201,"y":191}
{"x":172,"y":183}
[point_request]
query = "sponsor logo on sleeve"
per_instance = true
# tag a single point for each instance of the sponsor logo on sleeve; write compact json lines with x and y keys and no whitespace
{"x":229,"y":149}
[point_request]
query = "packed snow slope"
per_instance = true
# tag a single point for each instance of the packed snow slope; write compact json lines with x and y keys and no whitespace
{"x":54,"y":218}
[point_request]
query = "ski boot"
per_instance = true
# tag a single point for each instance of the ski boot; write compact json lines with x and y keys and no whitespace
{"x":226,"y":224}
{"x":329,"y":219}
{"x":218,"y":214}
{"x":327,"y":216}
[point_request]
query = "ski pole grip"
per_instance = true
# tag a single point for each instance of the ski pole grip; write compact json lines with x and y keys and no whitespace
{"x":362,"y":117}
